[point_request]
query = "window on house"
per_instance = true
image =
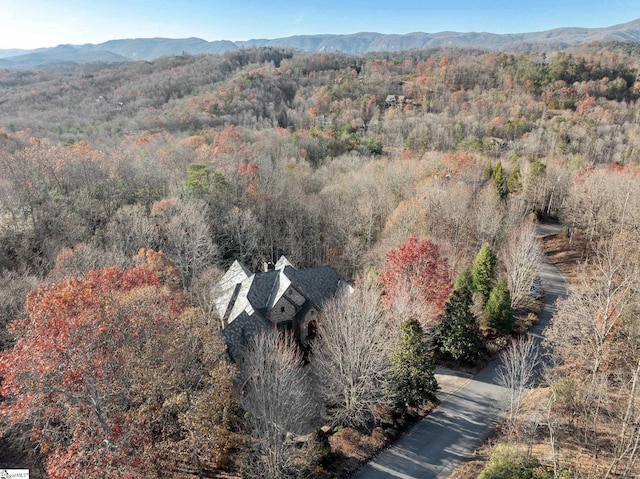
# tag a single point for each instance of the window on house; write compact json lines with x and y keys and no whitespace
{"x":282,"y":309}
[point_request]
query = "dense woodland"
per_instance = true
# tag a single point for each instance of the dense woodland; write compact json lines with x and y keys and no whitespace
{"x":126,"y":190}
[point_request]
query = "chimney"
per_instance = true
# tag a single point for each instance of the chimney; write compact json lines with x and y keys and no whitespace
{"x":268,"y":266}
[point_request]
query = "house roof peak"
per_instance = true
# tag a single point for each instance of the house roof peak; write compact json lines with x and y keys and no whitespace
{"x":283,"y":262}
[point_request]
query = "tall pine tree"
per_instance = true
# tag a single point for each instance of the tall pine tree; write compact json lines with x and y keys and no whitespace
{"x":498,"y":313}
{"x":458,"y":336}
{"x":413,"y":380}
{"x":487,"y":173}
{"x":499,"y":180}
{"x":514,"y":183}
{"x":463,"y":280}
{"x":483,"y":272}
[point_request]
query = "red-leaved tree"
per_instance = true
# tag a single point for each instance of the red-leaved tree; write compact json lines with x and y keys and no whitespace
{"x":417,"y":281}
{"x":104,"y":373}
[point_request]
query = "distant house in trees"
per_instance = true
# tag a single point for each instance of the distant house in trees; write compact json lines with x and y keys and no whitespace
{"x":323,"y":121}
{"x":400,"y":102}
{"x":396,"y":101}
{"x":498,"y":143}
{"x":280,"y":296}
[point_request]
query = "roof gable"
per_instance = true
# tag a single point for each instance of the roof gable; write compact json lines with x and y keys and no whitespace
{"x":240,"y":291}
{"x":241,"y":302}
{"x":282,"y":262}
{"x":224,"y":290}
{"x":246,"y":301}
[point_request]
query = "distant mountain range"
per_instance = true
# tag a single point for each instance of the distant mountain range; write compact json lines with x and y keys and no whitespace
{"x":357,"y":43}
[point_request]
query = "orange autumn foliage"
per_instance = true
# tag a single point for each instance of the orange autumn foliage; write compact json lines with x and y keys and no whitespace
{"x":97,"y":362}
{"x":416,"y":273}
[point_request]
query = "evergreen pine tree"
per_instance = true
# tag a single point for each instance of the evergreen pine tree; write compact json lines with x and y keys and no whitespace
{"x":497,"y":311}
{"x":201,"y":183}
{"x":197,"y":179}
{"x":514,"y":183}
{"x":458,"y":336}
{"x":463,"y":280}
{"x":498,"y":179}
{"x":413,"y":380}
{"x":483,"y":272}
{"x":487,"y":174}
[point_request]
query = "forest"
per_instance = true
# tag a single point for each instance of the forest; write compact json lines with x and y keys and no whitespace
{"x":127,"y":190}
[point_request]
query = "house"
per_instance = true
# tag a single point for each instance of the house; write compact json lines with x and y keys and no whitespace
{"x":323,"y":121}
{"x":400,"y":102}
{"x":281,"y":296}
{"x":395,"y":101}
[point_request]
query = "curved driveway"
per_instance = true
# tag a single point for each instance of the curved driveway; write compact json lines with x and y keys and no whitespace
{"x":463,"y":420}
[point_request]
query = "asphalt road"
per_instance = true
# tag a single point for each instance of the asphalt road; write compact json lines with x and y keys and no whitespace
{"x":446,"y":437}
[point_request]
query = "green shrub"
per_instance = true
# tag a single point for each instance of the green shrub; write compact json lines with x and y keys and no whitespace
{"x":506,"y":463}
{"x":374,"y":145}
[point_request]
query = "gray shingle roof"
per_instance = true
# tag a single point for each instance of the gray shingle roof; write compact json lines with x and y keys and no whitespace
{"x":240,"y":330}
{"x":261,"y":288}
{"x":247,"y":298}
{"x":317,"y":284}
{"x":260,"y":291}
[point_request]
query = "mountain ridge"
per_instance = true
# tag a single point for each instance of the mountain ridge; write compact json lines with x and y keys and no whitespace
{"x":122,"y":50}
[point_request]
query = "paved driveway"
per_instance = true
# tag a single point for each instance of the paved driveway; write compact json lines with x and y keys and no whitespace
{"x":464,"y":419}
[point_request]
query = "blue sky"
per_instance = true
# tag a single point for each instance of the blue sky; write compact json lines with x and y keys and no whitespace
{"x":46,"y":23}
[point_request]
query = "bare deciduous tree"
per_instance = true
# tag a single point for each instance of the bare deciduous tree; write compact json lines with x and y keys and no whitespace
{"x":552,"y":422}
{"x":130,"y":229}
{"x":448,"y":220}
{"x":14,"y":288}
{"x":588,"y":336}
{"x":517,"y":372}
{"x":82,"y":258}
{"x":351,"y":358}
{"x":628,"y":439}
{"x":278,"y":398}
{"x":489,"y":216}
{"x":187,"y":236}
{"x":201,"y":294}
{"x":242,"y":232}
{"x":606,"y":288}
{"x":604,"y":202}
{"x":522,"y":258}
